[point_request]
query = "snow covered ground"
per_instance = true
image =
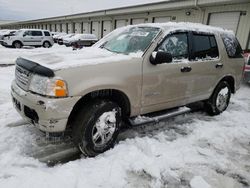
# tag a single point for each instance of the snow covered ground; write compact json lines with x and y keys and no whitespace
{"x":192,"y":150}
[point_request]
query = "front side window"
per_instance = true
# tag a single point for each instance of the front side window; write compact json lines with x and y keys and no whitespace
{"x":204,"y":46}
{"x":37,"y":33}
{"x":27,"y":33}
{"x":176,"y":45}
{"x":131,"y":40}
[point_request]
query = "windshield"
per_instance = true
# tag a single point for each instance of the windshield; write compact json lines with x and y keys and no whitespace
{"x":18,"y":32}
{"x":131,"y":40}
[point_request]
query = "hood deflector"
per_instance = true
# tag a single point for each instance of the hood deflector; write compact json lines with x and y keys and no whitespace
{"x":34,"y":67}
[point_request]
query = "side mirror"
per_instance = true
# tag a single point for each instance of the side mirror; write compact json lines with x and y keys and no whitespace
{"x":24,"y":35}
{"x":160,"y":57}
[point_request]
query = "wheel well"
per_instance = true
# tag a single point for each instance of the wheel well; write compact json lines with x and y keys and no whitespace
{"x":230,"y":81}
{"x":17,"y":41}
{"x":46,"y":41}
{"x":114,"y":95}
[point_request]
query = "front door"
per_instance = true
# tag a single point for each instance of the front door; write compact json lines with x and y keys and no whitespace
{"x":167,"y":85}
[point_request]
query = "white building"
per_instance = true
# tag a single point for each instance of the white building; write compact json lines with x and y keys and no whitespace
{"x":229,"y":14}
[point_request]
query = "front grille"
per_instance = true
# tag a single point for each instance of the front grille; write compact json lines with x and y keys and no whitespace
{"x":22,"y":77}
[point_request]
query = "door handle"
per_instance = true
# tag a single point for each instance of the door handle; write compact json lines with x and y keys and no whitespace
{"x":218,"y":65}
{"x":186,"y":69}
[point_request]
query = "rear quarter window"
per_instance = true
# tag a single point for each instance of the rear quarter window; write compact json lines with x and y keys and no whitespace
{"x":46,"y":33}
{"x":232,"y":46}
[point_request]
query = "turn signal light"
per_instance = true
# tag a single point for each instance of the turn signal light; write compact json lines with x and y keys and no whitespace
{"x":60,"y":89}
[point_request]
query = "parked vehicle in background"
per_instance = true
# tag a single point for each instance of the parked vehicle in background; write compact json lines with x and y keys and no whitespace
{"x":135,"y":70}
{"x":80,"y":40}
{"x":2,"y":31}
{"x":57,"y":36}
{"x":64,"y":37}
{"x":53,"y":33}
{"x":6,"y":33}
{"x":29,"y":37}
{"x":247,"y":69}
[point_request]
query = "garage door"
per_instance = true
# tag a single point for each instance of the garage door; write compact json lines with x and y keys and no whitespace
{"x":48,"y":27}
{"x":64,"y":28}
{"x":120,"y":23}
{"x":106,"y":27}
{"x":226,"y":20}
{"x":138,"y":21}
{"x":95,"y":29}
{"x":58,"y":29}
{"x":162,"y":19}
{"x":53,"y":28}
{"x":78,"y":27}
{"x":85,"y":27}
{"x":70,"y":28}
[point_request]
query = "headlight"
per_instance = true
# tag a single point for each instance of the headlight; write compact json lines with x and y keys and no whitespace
{"x":54,"y":87}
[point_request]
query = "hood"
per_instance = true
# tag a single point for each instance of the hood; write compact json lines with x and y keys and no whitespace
{"x":69,"y":58}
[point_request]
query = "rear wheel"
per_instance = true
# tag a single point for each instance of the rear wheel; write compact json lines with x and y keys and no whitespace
{"x":46,"y":44}
{"x":96,"y":127}
{"x":17,"y":44}
{"x":219,"y":100}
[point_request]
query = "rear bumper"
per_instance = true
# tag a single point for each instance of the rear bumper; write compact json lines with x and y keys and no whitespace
{"x":47,"y":114}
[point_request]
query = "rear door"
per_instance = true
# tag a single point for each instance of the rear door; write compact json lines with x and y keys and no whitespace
{"x":206,"y":63}
{"x":37,"y":38}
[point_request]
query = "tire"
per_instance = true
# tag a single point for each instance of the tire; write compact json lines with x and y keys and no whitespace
{"x":219,"y":100}
{"x":46,"y":44}
{"x":17,"y":44}
{"x":85,"y":133}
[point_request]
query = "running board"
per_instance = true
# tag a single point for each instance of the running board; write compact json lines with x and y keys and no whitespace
{"x":140,"y":120}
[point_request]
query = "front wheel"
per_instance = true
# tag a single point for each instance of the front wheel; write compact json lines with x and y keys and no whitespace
{"x":17,"y":44}
{"x":219,"y":100}
{"x":96,"y":127}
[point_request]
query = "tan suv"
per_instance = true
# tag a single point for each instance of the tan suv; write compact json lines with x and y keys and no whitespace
{"x":133,"y":71}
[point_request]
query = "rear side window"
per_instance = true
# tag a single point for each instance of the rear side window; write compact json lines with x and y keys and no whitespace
{"x":204,"y":46}
{"x":232,"y":46}
{"x":37,"y":33}
{"x":46,"y":33}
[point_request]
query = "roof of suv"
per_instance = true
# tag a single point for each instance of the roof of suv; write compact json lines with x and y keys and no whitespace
{"x":187,"y":26}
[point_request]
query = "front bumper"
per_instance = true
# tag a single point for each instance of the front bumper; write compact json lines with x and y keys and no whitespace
{"x":4,"y":43}
{"x":47,"y":114}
